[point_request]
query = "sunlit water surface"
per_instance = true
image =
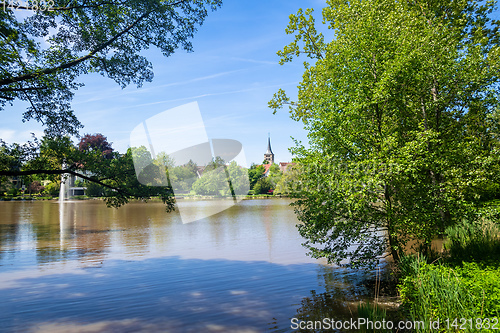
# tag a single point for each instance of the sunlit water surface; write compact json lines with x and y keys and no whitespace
{"x":82,"y":267}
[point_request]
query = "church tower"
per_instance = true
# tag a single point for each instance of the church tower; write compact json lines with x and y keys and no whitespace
{"x":269,"y":156}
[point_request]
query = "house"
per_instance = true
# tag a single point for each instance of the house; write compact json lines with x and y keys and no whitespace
{"x":286,"y":166}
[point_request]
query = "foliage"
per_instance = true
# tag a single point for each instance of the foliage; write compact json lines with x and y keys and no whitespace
{"x":371,"y":312}
{"x":289,"y":183}
{"x":53,"y":188}
{"x":35,"y":187}
{"x":183,"y":177}
{"x":212,"y":182}
{"x":262,"y":186}
{"x":432,"y":292}
{"x":13,"y":192}
{"x":97,"y":142}
{"x":255,"y":173}
{"x":54,"y":156}
{"x":473,"y":241}
{"x":94,"y":190}
{"x":221,"y":180}
{"x":238,"y":176}
{"x":105,"y":37}
{"x":275,"y":175}
{"x":398,"y":108}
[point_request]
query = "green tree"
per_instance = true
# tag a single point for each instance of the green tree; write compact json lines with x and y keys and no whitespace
{"x":255,"y":173}
{"x":396,"y":108}
{"x":213,"y":182}
{"x":105,"y":37}
{"x":289,"y":183}
{"x":182,"y":178}
{"x":117,"y":175}
{"x":238,"y":177}
{"x":95,"y":190}
{"x":53,"y":188}
{"x":221,"y":180}
{"x":275,"y":175}
{"x":263,"y":186}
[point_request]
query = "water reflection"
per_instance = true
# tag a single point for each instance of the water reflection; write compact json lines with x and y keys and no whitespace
{"x":83,"y":267}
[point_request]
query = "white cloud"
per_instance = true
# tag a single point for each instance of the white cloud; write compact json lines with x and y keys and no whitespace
{"x":11,"y":136}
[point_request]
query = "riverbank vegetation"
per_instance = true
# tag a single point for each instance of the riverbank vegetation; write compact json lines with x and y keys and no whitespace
{"x":403,"y":116}
{"x":461,"y":288}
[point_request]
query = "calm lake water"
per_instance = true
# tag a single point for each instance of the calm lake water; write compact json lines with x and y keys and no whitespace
{"x":82,"y":267}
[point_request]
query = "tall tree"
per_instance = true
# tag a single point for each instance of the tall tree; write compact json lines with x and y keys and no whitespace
{"x":397,"y":107}
{"x":82,"y":36}
{"x":99,"y":142}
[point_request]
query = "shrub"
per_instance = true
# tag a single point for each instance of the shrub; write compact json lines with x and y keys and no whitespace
{"x":53,"y":188}
{"x":13,"y":192}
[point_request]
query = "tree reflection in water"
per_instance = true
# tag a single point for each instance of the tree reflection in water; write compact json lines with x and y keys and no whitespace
{"x":345,"y":289}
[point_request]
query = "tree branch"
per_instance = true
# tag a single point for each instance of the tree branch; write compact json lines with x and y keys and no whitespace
{"x":75,"y":62}
{"x":60,"y":172}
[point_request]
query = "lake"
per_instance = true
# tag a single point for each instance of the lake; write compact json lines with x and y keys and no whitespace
{"x":83,"y":267}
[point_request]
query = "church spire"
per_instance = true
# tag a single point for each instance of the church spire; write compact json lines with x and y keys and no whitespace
{"x":269,"y":155}
{"x":269,"y":150}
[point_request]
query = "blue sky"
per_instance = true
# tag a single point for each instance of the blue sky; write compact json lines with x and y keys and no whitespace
{"x":232,"y":74}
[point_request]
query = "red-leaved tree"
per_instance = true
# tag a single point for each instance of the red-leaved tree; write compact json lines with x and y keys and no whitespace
{"x":92,"y":142}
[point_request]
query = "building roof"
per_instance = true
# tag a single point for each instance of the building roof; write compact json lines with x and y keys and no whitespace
{"x":266,"y":167}
{"x":285,"y":166}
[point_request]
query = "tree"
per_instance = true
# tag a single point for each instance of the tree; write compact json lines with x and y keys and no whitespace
{"x":238,"y":180}
{"x":182,"y":178}
{"x":99,"y":142}
{"x":255,"y":173}
{"x":35,"y":187}
{"x":102,"y":36}
{"x":263,"y":186}
{"x":212,"y":182}
{"x":221,"y":180}
{"x":396,"y":107}
{"x":275,"y":175}
{"x":289,"y":183}
{"x":54,"y":157}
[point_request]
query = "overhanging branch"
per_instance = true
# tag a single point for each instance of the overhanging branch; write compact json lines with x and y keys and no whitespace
{"x":75,"y":62}
{"x":61,"y":172}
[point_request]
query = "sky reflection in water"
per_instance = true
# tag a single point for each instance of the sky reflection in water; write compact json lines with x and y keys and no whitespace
{"x":83,"y":267}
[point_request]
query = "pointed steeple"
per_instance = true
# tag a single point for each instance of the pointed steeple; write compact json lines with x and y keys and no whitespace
{"x":269,"y":155}
{"x":269,"y":150}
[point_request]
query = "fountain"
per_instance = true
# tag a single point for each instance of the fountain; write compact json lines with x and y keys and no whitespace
{"x":63,"y":191}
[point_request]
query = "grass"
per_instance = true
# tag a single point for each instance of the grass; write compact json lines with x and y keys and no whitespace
{"x":473,"y":241}
{"x":463,"y":284}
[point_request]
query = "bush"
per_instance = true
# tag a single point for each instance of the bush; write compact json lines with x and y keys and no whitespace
{"x":35,"y":187}
{"x":262,"y":186}
{"x":13,"y":192}
{"x":53,"y":188}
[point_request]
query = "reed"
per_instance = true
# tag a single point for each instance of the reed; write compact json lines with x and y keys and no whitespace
{"x":476,"y":241}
